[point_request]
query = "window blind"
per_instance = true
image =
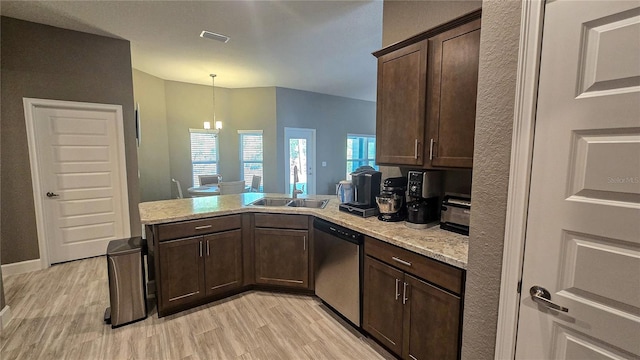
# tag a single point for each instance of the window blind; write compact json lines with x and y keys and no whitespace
{"x":204,"y":153}
{"x":251,"y":156}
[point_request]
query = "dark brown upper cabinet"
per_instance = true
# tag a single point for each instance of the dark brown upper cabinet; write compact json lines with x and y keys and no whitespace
{"x":426,"y":101}
{"x":400,"y":109}
{"x":451,"y":96}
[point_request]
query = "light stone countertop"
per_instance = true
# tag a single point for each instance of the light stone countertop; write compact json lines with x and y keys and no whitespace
{"x":442,"y":245}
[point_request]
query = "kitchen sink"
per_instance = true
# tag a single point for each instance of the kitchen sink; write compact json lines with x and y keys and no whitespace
{"x":271,"y":201}
{"x":308,"y":203}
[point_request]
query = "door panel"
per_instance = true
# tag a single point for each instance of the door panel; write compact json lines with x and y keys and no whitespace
{"x":223,"y":261}
{"x":80,"y":160}
{"x":300,"y":148}
{"x":282,"y":257}
{"x":382,"y":314}
{"x":432,"y":322}
{"x":182,"y":271}
{"x":583,"y":234}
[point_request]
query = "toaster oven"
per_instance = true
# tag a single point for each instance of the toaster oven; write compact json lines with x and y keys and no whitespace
{"x":455,"y":213}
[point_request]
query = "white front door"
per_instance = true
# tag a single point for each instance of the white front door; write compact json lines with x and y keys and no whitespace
{"x":583,"y":230}
{"x":299,"y":152}
{"x":77,"y":150}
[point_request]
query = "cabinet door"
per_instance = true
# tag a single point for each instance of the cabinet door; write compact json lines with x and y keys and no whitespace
{"x":282,"y":257}
{"x":181,"y":271}
{"x":382,"y":303}
{"x":431,"y":320}
{"x":451,"y":97}
{"x":223,"y":262}
{"x":400,"y":113}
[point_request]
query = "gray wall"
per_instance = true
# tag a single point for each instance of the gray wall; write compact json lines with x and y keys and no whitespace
{"x":403,"y":19}
{"x":153,"y":153}
{"x":333,"y":117}
{"x":494,"y":124}
{"x":189,"y":106}
{"x":40,"y":61}
{"x":253,"y":109}
{"x":269,"y":109}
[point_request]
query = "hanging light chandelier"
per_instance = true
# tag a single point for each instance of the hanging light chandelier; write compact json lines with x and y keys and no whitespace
{"x":217,"y":124}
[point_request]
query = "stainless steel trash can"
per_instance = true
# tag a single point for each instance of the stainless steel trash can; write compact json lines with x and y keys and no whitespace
{"x":127,"y":293}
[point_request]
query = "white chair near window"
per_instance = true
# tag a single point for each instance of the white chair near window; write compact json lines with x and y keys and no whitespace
{"x":177,"y":182}
{"x":209,"y":179}
{"x":255,"y":183}
{"x":231,"y":187}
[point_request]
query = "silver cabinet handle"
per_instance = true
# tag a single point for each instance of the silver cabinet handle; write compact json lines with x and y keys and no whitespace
{"x":404,"y":293}
{"x":541,"y":296}
{"x":415,"y":150}
{"x":207,"y":247}
{"x":431,"y":150}
{"x":200,"y":243}
{"x":304,"y":243}
{"x":406,"y":263}
{"x":397,"y":289}
{"x":203,"y":227}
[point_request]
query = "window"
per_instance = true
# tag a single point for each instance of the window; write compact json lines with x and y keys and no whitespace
{"x":204,"y":153}
{"x":251,"y":155}
{"x":361,"y":151}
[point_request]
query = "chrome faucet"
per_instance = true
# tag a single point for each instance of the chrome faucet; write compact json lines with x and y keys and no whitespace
{"x":295,"y":191}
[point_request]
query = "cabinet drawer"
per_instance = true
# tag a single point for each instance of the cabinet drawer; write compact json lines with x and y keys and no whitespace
{"x":198,"y":227}
{"x":433,"y":271}
{"x":282,"y":221}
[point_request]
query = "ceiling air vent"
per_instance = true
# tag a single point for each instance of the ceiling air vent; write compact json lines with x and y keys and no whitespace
{"x":214,"y":36}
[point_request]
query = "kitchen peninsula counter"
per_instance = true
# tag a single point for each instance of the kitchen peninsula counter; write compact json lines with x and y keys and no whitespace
{"x":435,"y":243}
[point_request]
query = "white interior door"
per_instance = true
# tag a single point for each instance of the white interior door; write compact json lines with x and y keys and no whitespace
{"x":80,"y":183}
{"x":300,"y":151}
{"x":583,"y":230}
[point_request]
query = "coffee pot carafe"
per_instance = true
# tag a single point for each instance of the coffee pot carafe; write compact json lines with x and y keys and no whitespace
{"x":344,"y":191}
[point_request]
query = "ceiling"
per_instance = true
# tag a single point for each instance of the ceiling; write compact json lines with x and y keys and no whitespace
{"x":319,"y":46}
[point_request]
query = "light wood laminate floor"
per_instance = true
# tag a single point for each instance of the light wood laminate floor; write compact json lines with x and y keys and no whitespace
{"x":57,"y":314}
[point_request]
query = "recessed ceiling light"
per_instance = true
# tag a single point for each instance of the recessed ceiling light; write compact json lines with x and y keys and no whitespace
{"x":214,"y":36}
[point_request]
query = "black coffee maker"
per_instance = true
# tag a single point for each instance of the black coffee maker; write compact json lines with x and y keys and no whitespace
{"x":391,"y":201}
{"x":366,"y":186}
{"x":423,"y":190}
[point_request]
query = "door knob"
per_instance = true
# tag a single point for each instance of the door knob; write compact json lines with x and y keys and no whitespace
{"x":541,"y":296}
{"x":50,"y":194}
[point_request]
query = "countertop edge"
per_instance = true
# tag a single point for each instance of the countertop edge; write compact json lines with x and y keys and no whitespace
{"x":240,"y":206}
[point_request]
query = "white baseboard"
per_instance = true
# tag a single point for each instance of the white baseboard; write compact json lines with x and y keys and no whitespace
{"x":5,"y":317}
{"x":21,"y":267}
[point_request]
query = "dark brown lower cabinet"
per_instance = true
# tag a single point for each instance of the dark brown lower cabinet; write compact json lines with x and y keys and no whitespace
{"x":282,"y":257}
{"x":198,"y":267}
{"x":181,"y":271}
{"x":411,"y":317}
{"x":223,"y":262}
{"x":431,"y":321}
{"x":382,"y":308}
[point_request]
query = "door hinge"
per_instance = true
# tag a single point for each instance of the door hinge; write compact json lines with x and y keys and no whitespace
{"x":519,"y":286}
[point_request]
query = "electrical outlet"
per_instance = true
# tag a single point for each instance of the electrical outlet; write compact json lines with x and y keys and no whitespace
{"x":324,"y":164}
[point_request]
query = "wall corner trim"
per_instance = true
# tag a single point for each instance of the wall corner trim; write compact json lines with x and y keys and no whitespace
{"x":519,"y":177}
{"x":21,"y":267}
{"x":5,"y":317}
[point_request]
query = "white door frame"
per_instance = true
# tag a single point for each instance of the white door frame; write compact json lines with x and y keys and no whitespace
{"x":532,"y":19}
{"x":287,"y":184}
{"x":30,"y":105}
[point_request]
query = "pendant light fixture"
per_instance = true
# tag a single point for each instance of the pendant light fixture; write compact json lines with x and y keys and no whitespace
{"x":217,"y":124}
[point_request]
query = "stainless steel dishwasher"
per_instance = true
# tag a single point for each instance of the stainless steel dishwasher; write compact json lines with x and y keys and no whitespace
{"x":338,"y":256}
